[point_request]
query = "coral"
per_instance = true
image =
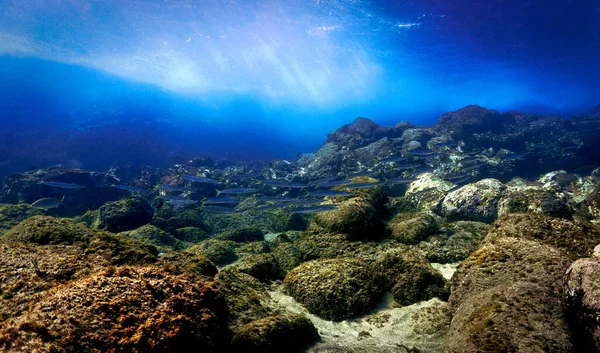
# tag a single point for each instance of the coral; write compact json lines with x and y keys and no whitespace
{"x":335,"y":289}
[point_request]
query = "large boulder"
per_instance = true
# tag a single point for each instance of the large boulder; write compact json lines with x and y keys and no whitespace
{"x":125,"y":214}
{"x":46,"y":230}
{"x":335,"y":289}
{"x":411,"y":228}
{"x":506,"y":298}
{"x":474,"y":202}
{"x":454,"y":241}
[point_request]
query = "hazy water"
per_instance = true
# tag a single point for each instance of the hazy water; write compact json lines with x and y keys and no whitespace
{"x":89,"y":83}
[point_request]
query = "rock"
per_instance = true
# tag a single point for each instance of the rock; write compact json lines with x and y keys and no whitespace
{"x":356,"y":217}
{"x":11,"y":215}
{"x":286,"y":255}
{"x":246,"y":298}
{"x":472,"y":119}
{"x":410,"y":277}
{"x":263,"y":267}
{"x":427,"y":192}
{"x":155,"y":236}
{"x":581,"y":295}
{"x":169,"y":220}
{"x":474,"y":202}
{"x":327,"y":160}
{"x":326,"y":246}
{"x":454,"y":241}
{"x":120,"y":250}
{"x":125,"y":214}
{"x":536,"y":201}
{"x":359,"y":133}
{"x":274,"y":334}
{"x":114,"y":311}
{"x":411,"y":228}
{"x":183,"y":262}
{"x":576,"y":240}
{"x":505,"y":298}
{"x":220,"y":252}
{"x":191,"y":234}
{"x":334,"y":289}
{"x":242,"y":234}
{"x":590,"y":208}
{"x":46,"y":230}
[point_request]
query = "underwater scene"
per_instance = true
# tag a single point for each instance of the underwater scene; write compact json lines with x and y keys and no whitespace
{"x":300,"y":176}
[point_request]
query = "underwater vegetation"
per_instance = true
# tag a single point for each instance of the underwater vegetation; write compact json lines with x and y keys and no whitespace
{"x":476,"y":234}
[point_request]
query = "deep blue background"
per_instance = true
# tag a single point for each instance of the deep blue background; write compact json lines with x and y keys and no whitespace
{"x":90,"y":83}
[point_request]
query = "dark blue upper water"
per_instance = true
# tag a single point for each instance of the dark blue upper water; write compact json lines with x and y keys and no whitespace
{"x":91,"y":83}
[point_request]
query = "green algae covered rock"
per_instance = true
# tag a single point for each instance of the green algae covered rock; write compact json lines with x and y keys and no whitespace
{"x":46,"y":230}
{"x":191,"y":234}
{"x":220,"y":252}
{"x":184,"y":262}
{"x":577,"y":240}
{"x":154,"y":236}
{"x":264,"y":267}
{"x":114,"y":311}
{"x":167,"y":219}
{"x":326,"y":246}
{"x":590,"y":207}
{"x":120,"y":250}
{"x":11,"y":214}
{"x":275,"y":334}
{"x":357,"y":218}
{"x":454,"y":241}
{"x":537,"y":201}
{"x":287,"y":256}
{"x":410,"y":277}
{"x":506,"y":297}
{"x":411,"y":228}
{"x":246,"y":297}
{"x":125,"y":214}
{"x":474,"y":202}
{"x":242,"y":234}
{"x":335,"y":289}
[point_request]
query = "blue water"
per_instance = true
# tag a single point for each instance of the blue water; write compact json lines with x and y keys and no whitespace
{"x":91,"y":83}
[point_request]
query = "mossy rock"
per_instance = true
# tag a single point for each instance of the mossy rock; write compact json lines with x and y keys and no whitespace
{"x":120,"y":250}
{"x":125,"y":214}
{"x":454,"y":242}
{"x":506,"y":297}
{"x":246,"y":297}
{"x":46,"y":230}
{"x":536,"y":201}
{"x":89,"y":218}
{"x":191,"y":234}
{"x":242,"y":234}
{"x":326,"y":246}
{"x":590,"y":207}
{"x":115,"y":311}
{"x":335,"y":289}
{"x":274,"y":334}
{"x":11,"y":214}
{"x":264,"y":267}
{"x":474,"y":202}
{"x":154,"y":236}
{"x":171,"y":221}
{"x":357,"y":218}
{"x":411,"y":228}
{"x":577,"y":240}
{"x":220,"y":252}
{"x":410,"y":277}
{"x":184,"y":262}
{"x":287,"y":256}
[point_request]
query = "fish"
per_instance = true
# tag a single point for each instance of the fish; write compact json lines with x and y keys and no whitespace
{"x":275,"y":199}
{"x":419,"y":152}
{"x":473,"y":166}
{"x":57,"y":184}
{"x":272,"y":206}
{"x":330,"y":193}
{"x":171,"y":187}
{"x":283,"y":183}
{"x":461,"y":180}
{"x":217,"y":209}
{"x":170,"y":197}
{"x":321,"y":181}
{"x":243,"y":176}
{"x":446,"y":144}
{"x":393,"y":159}
{"x":366,"y":173}
{"x":220,"y":200}
{"x":200,"y":179}
{"x":236,"y":191}
{"x":47,"y":203}
{"x":333,"y":183}
{"x":395,"y":181}
{"x":314,"y":209}
{"x":514,"y":156}
{"x":129,"y":188}
{"x":363,"y":185}
{"x":407,"y":166}
{"x":181,"y":202}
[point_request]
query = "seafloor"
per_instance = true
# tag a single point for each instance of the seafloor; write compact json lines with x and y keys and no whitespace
{"x":476,"y":234}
